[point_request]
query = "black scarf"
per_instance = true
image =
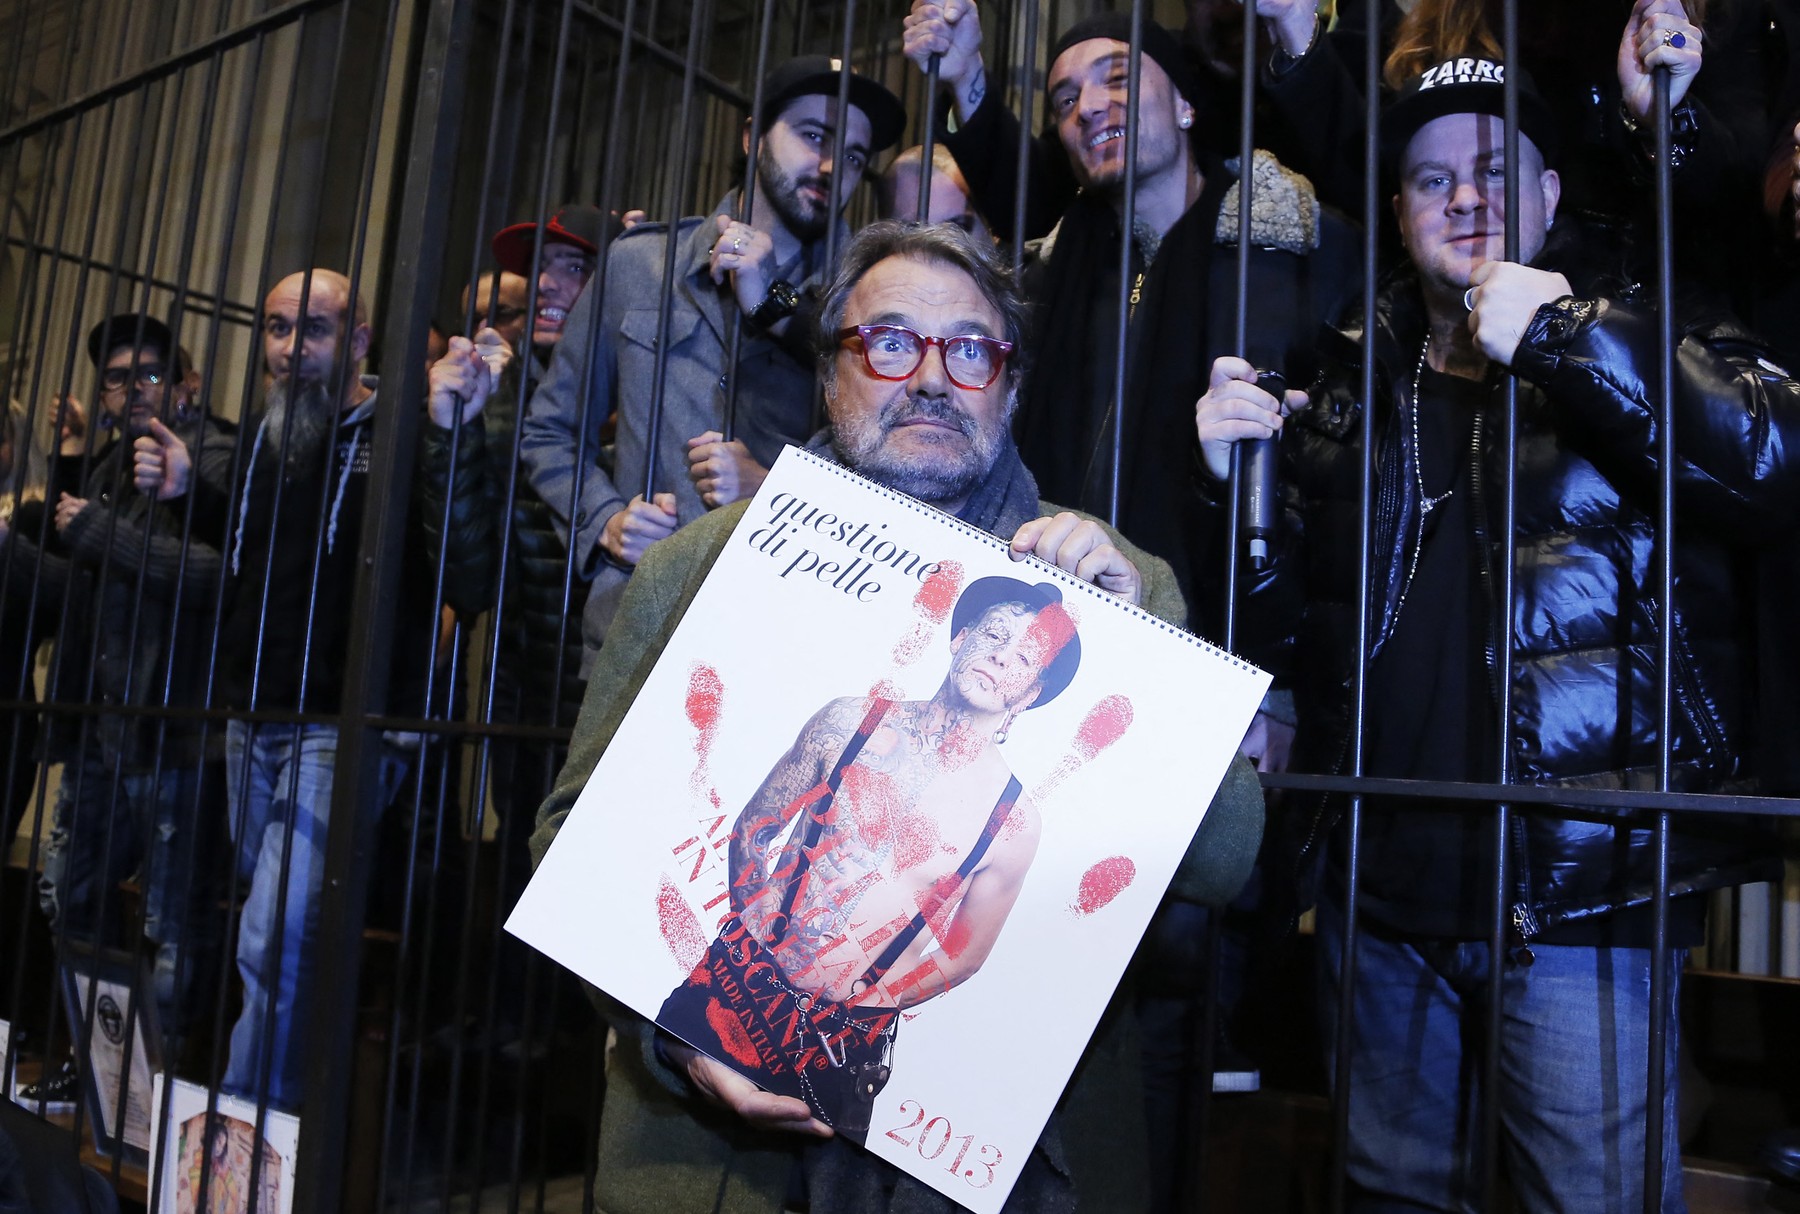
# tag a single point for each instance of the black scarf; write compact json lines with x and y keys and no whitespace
{"x":1064,"y":421}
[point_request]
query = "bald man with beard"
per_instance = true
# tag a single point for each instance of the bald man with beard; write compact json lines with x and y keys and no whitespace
{"x":297,"y":510}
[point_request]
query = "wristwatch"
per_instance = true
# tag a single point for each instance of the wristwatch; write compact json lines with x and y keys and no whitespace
{"x":777,"y":306}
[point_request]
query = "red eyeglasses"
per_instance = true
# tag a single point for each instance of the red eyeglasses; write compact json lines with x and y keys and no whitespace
{"x":894,"y":352}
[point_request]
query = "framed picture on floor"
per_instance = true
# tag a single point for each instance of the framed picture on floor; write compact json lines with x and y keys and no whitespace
{"x":211,"y":1165}
{"x":118,"y":1055}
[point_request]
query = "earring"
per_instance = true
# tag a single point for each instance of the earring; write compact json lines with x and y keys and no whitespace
{"x":1000,"y":734}
{"x":1187,"y":120}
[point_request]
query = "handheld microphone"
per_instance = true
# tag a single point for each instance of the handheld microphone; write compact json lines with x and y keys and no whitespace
{"x":1257,"y":483}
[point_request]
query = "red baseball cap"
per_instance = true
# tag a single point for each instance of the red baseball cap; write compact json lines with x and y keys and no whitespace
{"x":578,"y":224}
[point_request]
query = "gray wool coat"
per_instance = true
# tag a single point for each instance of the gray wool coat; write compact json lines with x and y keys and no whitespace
{"x":578,"y":393}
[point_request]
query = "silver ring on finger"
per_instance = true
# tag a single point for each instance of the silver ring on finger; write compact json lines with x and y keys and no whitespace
{"x":1469,"y":300}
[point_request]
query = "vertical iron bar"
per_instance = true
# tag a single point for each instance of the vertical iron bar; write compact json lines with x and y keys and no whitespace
{"x":16,"y":71}
{"x":336,"y":387}
{"x":238,"y":456}
{"x":209,"y":362}
{"x":839,"y":135}
{"x":479,"y":240}
{"x":1127,"y":217}
{"x":671,"y":247}
{"x":1209,"y":1012}
{"x":927,"y":138}
{"x":1241,"y":319}
{"x":1660,"y":977}
{"x":496,"y":625}
{"x":1022,"y":171}
{"x":84,"y":1035}
{"x":746,"y":212}
{"x":27,"y":298}
{"x":431,"y":156}
{"x":193,"y":856}
{"x":404,"y":954}
{"x":1506,"y":544}
{"x":646,"y":198}
{"x":1365,"y":562}
{"x":155,"y":228}
{"x":609,"y":166}
{"x":239,"y":462}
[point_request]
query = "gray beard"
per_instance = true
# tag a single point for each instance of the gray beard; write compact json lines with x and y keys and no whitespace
{"x":299,"y":431}
{"x":934,"y":479}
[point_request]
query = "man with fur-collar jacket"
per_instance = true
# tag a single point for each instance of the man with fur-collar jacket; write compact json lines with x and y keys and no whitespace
{"x":1184,"y":265}
{"x":1585,"y":624}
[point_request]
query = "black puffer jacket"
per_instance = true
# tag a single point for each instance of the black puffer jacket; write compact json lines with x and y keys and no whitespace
{"x":1584,"y":613}
{"x":536,"y":613}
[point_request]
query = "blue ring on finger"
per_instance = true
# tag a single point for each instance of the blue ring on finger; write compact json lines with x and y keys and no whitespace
{"x":1674,"y":38}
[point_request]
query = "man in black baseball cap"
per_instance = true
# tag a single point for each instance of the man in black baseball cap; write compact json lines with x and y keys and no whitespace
{"x":762,"y":262}
{"x":1466,"y":85}
{"x":1556,"y":314}
{"x":808,"y":75}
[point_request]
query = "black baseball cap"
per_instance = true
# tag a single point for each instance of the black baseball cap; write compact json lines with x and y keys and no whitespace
{"x":576,"y":223}
{"x":986,"y":592}
{"x":1466,"y":85}
{"x":809,"y":74}
{"x":124,"y":330}
{"x":1159,"y":45}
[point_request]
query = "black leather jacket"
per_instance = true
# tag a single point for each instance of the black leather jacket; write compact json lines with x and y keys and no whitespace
{"x":1584,"y":614}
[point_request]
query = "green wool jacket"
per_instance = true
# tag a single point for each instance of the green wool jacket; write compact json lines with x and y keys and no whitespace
{"x":662,"y":1148}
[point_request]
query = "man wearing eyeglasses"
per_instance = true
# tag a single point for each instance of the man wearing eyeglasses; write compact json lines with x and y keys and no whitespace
{"x":917,"y":347}
{"x":764,"y":270}
{"x":138,"y":794}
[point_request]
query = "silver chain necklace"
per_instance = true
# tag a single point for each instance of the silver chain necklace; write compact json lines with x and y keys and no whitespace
{"x":1426,"y":503}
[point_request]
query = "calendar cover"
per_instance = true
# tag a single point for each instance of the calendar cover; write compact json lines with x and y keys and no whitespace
{"x":887,"y":819}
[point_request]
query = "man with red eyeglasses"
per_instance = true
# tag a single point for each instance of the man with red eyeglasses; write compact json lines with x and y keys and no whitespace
{"x":917,"y":348}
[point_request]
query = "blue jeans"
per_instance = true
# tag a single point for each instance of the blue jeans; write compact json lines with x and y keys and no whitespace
{"x":161,"y":827}
{"x":1574,"y":1057}
{"x":277,"y":775}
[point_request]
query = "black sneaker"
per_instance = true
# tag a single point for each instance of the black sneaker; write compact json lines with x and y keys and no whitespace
{"x":56,"y":1094}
